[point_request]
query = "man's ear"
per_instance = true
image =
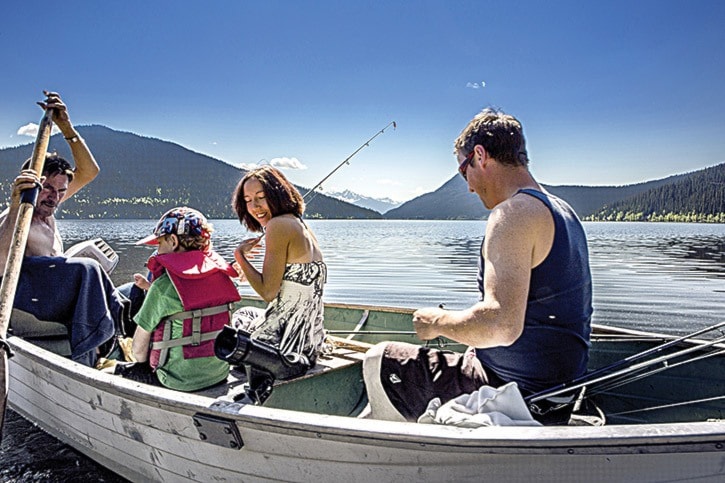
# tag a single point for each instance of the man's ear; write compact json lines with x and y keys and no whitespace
{"x":481,"y":151}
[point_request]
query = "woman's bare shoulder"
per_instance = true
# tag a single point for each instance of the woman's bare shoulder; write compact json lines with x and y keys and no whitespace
{"x":283,"y":226}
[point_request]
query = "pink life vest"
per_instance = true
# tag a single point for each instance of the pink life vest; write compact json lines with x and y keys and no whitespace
{"x":202,"y":281}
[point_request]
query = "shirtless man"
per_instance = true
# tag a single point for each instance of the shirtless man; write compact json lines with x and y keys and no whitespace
{"x":76,"y":292}
{"x":532,"y":324}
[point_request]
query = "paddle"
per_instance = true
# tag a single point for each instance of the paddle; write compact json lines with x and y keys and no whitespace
{"x":16,"y":253}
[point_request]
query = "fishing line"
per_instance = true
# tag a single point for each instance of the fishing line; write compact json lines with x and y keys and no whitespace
{"x":669,"y":406}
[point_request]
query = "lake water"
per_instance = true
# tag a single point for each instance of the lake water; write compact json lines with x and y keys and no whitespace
{"x":664,"y":277}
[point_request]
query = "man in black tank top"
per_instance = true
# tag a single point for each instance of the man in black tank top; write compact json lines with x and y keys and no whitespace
{"x":533,"y":321}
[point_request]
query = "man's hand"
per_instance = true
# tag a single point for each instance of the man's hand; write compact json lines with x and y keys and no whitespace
{"x":425,"y":322}
{"x":27,"y":179}
{"x":59,"y":112}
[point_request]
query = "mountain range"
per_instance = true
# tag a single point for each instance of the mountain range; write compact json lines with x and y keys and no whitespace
{"x":142,"y":177}
{"x":381,"y":205}
{"x":674,"y":198}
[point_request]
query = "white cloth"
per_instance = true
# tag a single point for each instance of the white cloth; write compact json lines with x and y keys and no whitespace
{"x":489,"y":406}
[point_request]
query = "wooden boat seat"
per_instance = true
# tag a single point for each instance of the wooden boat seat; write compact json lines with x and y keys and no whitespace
{"x":51,"y":336}
{"x":318,"y":390}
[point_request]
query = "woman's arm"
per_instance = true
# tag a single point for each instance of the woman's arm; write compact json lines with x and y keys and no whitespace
{"x":268,"y":282}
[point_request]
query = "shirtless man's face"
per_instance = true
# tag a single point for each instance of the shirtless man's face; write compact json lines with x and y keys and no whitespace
{"x":53,"y":192}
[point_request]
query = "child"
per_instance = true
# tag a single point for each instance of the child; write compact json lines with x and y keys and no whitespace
{"x":187,"y":304}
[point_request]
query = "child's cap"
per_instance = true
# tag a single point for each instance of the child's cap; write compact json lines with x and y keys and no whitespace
{"x":180,"y":221}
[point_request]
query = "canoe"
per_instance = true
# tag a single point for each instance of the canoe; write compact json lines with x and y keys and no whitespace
{"x":668,"y":426}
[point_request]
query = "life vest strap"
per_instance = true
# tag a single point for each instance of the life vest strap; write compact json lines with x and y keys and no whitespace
{"x":167,"y":344}
{"x":199,"y":313}
{"x":196,"y":336}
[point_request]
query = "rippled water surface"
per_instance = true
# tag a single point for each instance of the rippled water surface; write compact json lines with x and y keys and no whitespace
{"x":665,"y":277}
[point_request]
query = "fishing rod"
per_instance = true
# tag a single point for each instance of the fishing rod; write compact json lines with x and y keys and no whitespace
{"x":668,"y":406}
{"x":347,"y":160}
{"x":437,"y":342}
{"x":372,"y":332}
{"x":627,"y":378}
{"x":606,"y":374}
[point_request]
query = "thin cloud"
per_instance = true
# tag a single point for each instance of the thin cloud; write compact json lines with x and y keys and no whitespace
{"x":280,"y":163}
{"x":31,"y":130}
{"x":287,"y":163}
{"x":476,"y":85}
{"x":388,"y":182}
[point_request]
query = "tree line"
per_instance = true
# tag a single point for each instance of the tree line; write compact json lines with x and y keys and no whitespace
{"x":699,"y":197}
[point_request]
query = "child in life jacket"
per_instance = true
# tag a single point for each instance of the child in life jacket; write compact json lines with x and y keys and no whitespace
{"x":186,"y":306}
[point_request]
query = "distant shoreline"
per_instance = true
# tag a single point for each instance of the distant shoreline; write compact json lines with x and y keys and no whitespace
{"x":670,"y":218}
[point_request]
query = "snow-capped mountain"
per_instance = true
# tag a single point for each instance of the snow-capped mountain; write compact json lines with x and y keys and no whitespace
{"x":381,"y":205}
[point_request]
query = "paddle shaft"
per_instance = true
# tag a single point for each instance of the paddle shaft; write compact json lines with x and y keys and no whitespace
{"x":17,"y":251}
{"x":372,"y":332}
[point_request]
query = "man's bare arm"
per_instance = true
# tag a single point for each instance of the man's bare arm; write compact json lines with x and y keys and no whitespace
{"x":86,"y":168}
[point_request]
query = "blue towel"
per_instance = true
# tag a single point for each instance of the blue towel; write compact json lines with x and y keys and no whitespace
{"x":75,"y":292}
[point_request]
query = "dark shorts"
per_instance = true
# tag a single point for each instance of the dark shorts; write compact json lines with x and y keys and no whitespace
{"x":402,"y":378}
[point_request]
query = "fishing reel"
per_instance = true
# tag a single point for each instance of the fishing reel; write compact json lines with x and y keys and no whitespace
{"x":263,"y":363}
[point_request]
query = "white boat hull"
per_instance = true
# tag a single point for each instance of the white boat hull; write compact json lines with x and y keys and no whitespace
{"x":148,"y":434}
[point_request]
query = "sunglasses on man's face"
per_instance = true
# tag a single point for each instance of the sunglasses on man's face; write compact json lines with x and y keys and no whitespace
{"x":463,"y":167}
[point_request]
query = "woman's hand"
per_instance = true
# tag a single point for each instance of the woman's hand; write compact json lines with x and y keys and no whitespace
{"x":249,"y":247}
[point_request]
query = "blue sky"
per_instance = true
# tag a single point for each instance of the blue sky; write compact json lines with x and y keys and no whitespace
{"x":610,"y":93}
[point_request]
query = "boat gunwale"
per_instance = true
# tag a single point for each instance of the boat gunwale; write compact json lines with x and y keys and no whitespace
{"x":705,"y":436}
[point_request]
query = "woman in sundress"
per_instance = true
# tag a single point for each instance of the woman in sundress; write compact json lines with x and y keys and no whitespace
{"x":293,"y":271}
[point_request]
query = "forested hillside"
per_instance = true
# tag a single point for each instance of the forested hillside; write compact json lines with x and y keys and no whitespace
{"x":143,"y":177}
{"x":698,"y":196}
